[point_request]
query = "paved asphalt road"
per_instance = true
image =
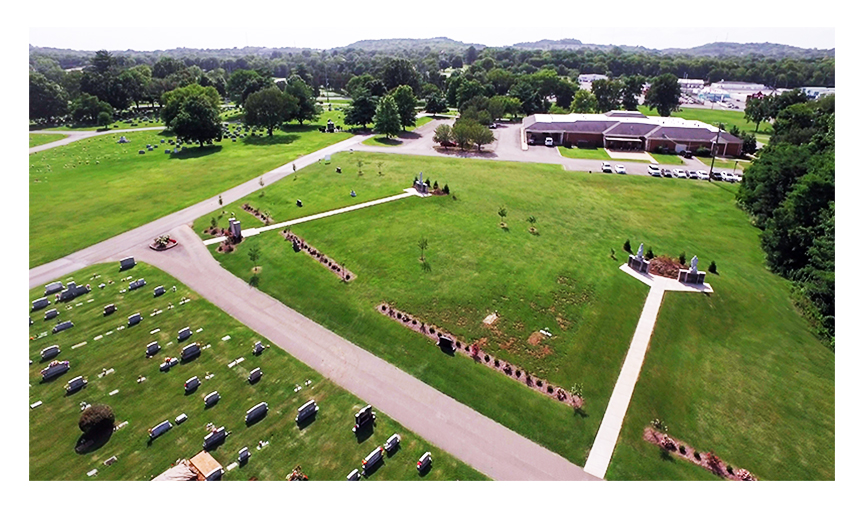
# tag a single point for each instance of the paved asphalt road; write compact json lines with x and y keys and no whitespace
{"x":72,"y":136}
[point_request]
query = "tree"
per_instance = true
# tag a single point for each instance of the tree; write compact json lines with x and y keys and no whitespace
{"x":102,"y":61}
{"x":269,"y":108}
{"x":749,"y":143}
{"x":563,"y":94}
{"x":166,"y":66}
{"x":630,"y":91}
{"x":387,"y":120}
{"x":479,"y":134}
{"x":435,"y":104}
{"x":406,"y":103}
{"x":443,"y":134}
{"x":607,"y":93}
{"x":398,"y":72}
{"x":362,"y":108}
{"x":471,"y":55}
{"x":197,"y":120}
{"x":307,"y":108}
{"x":243,"y":83}
{"x":423,"y":244}
{"x":461,"y":134}
{"x":583,"y":102}
{"x":502,"y":212}
{"x":254,"y":254}
{"x":467,"y":90}
{"x":756,"y":110}
{"x":47,"y":99}
{"x":528,"y":96}
{"x":173,"y":100}
{"x":373,"y":86}
{"x":664,"y":94}
{"x":86,"y":108}
{"x":96,"y":418}
{"x":104,"y":118}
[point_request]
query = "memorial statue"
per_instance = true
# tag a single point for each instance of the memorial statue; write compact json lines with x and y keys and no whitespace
{"x":693,"y":263}
{"x":639,"y":252}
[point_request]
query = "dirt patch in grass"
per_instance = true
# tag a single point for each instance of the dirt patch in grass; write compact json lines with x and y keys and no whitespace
{"x":535,"y":338}
{"x":665,"y":266}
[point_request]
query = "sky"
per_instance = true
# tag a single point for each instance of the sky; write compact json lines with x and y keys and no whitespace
{"x":123,"y":38}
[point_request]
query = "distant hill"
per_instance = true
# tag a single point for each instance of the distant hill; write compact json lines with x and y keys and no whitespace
{"x":575,"y":44}
{"x":709,"y":50}
{"x":394,"y":45}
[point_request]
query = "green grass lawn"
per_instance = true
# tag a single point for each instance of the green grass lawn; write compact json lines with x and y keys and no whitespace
{"x":116,"y":126}
{"x":666,"y":159}
{"x":382,"y":141}
{"x":326,"y":448}
{"x":41,"y":139}
{"x":743,"y":164}
{"x":85,"y":192}
{"x":584,"y":153}
{"x":715,"y":116}
{"x":573,"y":288}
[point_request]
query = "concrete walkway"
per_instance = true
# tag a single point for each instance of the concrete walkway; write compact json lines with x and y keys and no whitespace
{"x":457,"y":429}
{"x":253,"y":231}
{"x":73,"y":136}
{"x":613,"y":419}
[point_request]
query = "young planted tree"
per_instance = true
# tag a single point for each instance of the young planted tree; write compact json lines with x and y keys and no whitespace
{"x":480,"y":135}
{"x":254,"y":254}
{"x":423,"y":244}
{"x":502,"y":212}
{"x":443,"y":134}
{"x":532,"y":220}
{"x":461,"y":134}
{"x":104,"y":119}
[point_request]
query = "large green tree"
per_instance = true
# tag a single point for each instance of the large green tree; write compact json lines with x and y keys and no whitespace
{"x":243,"y":83}
{"x":307,"y":108}
{"x":197,"y":120}
{"x":269,"y":108}
{"x":756,"y":110}
{"x":664,"y":94}
{"x":406,"y":103}
{"x":86,"y":109}
{"x":173,"y":100}
{"x":435,"y":104}
{"x":583,"y":102}
{"x":387,"y":120}
{"x":362,"y":108}
{"x":47,"y":99}
{"x":398,"y":72}
{"x":607,"y":93}
{"x":630,"y":91}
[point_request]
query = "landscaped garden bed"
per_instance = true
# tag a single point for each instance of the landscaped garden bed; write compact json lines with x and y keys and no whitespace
{"x":300,"y":245}
{"x":709,"y":461}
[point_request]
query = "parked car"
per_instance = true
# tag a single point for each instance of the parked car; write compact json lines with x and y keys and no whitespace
{"x":687,"y":154}
{"x":620,"y":169}
{"x":668,"y":173}
{"x":680,"y":174}
{"x":549,"y":142}
{"x":654,"y":171}
{"x":606,"y":168}
{"x":492,"y":126}
{"x":717,"y":176}
{"x":702,"y":175}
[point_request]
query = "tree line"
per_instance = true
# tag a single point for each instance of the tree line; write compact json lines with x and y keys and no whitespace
{"x":789,"y":192}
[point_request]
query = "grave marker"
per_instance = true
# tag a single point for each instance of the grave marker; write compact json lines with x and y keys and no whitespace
{"x":54,"y":287}
{"x":134,"y":319}
{"x":184,"y":334}
{"x":62,"y":326}
{"x":51,"y":313}
{"x":127,"y":263}
{"x":40,"y":304}
{"x":159,"y":290}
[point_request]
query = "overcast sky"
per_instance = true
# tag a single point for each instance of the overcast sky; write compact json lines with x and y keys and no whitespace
{"x":124,"y":38}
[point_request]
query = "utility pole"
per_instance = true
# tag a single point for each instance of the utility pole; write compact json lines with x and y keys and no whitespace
{"x":714,"y":150}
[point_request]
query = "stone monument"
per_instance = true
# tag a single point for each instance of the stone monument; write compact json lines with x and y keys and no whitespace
{"x":420,"y":186}
{"x":691,"y":275}
{"x":234,"y":227}
{"x":637,"y":262}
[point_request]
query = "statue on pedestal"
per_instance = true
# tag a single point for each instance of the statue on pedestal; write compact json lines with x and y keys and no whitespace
{"x":639,"y":252}
{"x":693,"y":263}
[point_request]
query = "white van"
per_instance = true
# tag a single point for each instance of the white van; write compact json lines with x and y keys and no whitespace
{"x":549,"y":142}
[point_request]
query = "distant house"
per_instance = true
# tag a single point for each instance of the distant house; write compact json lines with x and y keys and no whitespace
{"x":815,"y":92}
{"x":690,"y":85}
{"x":629,"y":130}
{"x":588,"y":78}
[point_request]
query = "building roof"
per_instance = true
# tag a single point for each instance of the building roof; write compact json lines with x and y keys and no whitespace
{"x":651,"y":127}
{"x":682,"y":134}
{"x":179,"y":472}
{"x":582,"y":126}
{"x":625,"y":114}
{"x":205,"y":464}
{"x":629,"y":129}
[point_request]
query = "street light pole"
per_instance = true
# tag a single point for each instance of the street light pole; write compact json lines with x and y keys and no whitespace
{"x":714,"y":150}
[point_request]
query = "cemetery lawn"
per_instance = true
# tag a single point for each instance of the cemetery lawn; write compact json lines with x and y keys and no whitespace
{"x":715,"y":116}
{"x":91,"y":190}
{"x":115,"y":126}
{"x":382,"y":141}
{"x":326,"y":448}
{"x":41,"y":139}
{"x":585,"y":153}
{"x":562,"y":279}
{"x":666,"y":159}
{"x":743,"y":164}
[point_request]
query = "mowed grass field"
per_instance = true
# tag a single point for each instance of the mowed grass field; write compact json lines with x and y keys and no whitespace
{"x":88,"y":191}
{"x":563,"y":279}
{"x":41,"y":139}
{"x":120,"y":125}
{"x":326,"y":449}
{"x":715,"y":116}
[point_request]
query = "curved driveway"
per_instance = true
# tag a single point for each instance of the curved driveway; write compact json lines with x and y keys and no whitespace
{"x":72,"y":136}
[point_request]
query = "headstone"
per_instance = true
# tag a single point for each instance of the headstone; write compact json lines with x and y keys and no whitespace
{"x":184,"y":334}
{"x":159,"y":429}
{"x":445,"y":342}
{"x":306,"y":411}
{"x":127,"y":263}
{"x":353,"y":194}
{"x":159,"y":290}
{"x":107,"y":310}
{"x":51,"y":313}
{"x":215,"y":438}
{"x":190,"y":351}
{"x":180,"y":419}
{"x":354,"y":475}
{"x":166,"y":365}
{"x":134,"y":319}
{"x":152,"y":348}
{"x":392,"y":442}
{"x":211,"y":398}
{"x":235,"y":229}
{"x":372,"y":458}
{"x":255,"y":375}
{"x":75,"y":384}
{"x":40,"y":304}
{"x":363,"y":417}
{"x":299,"y":203}
{"x":191,"y":384}
{"x":54,"y":287}
{"x":141,"y":152}
{"x":243,"y":455}
{"x":50,"y":352}
{"x":62,"y":326}
{"x":424,"y":461}
{"x":256,"y":412}
{"x":54,"y":369}
{"x":258,"y":349}
{"x":134,"y":285}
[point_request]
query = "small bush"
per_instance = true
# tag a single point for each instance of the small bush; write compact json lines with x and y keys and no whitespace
{"x":96,"y":417}
{"x":539,"y":383}
{"x":729,"y":469}
{"x":627,"y":246}
{"x":497,"y":363}
{"x":712,"y":267}
{"x":649,"y":254}
{"x":549,"y":389}
{"x":435,"y":185}
{"x":486,"y":358}
{"x":697,"y":456}
{"x":528,"y":380}
{"x":682,"y":449}
{"x":682,"y":259}
{"x":446,"y":189}
{"x":518,"y":373}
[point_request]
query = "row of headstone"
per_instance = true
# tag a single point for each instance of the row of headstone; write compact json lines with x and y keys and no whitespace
{"x":73,"y":290}
{"x":134,"y":285}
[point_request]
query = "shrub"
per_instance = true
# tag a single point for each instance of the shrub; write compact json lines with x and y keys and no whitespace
{"x":682,"y":449}
{"x":549,"y":389}
{"x":682,"y":259}
{"x":576,"y":390}
{"x":539,"y":383}
{"x":712,"y":267}
{"x":96,"y":417}
{"x":649,"y":254}
{"x":486,"y":358}
{"x":703,"y":152}
{"x":446,"y":189}
{"x":508,"y":370}
{"x":528,"y":380}
{"x":659,"y":425}
{"x":627,"y":246}
{"x":435,"y":185}
{"x":497,"y":363}
{"x":697,"y":456}
{"x":729,"y":469}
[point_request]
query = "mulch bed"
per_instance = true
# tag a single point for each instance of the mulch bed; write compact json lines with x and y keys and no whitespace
{"x":475,"y":352}
{"x":665,"y":266}
{"x":261,"y":216}
{"x":708,"y":460}
{"x":228,"y":244}
{"x":171,"y":244}
{"x":330,"y":263}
